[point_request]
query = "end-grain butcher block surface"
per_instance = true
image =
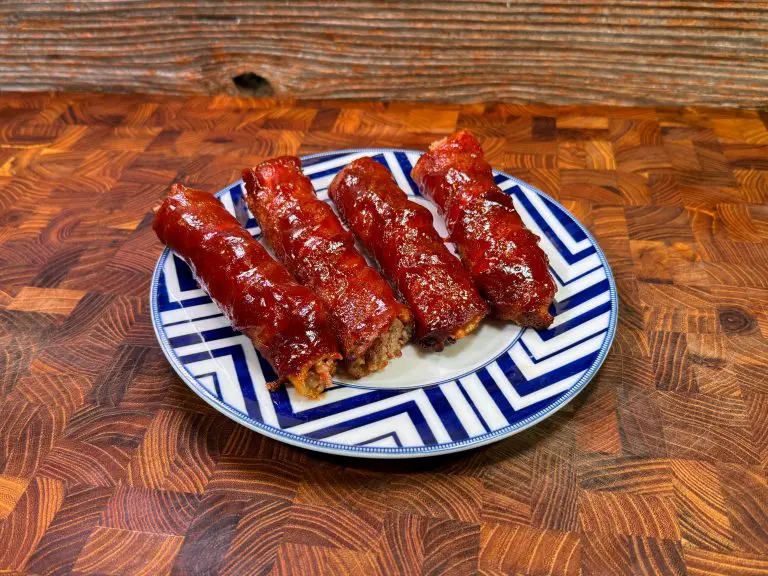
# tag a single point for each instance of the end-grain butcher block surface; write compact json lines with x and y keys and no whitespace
{"x":109,"y":464}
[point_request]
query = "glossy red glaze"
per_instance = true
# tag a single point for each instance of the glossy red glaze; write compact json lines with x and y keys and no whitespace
{"x":287,"y":323}
{"x":308,"y":238}
{"x":400,"y":236}
{"x":502,"y":255}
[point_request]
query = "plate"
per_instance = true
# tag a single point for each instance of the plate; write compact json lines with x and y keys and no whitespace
{"x":485,"y":387}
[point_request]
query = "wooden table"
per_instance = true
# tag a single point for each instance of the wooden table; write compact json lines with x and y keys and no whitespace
{"x":110,"y":465}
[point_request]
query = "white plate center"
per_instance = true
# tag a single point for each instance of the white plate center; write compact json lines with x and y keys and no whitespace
{"x":417,"y":368}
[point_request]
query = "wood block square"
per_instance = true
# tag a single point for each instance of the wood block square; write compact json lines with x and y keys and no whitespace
{"x":581,"y":121}
{"x":704,"y":562}
{"x":125,"y":552}
{"x":598,"y":426}
{"x":657,"y":223}
{"x":66,"y":535}
{"x":11,"y":489}
{"x":606,"y":554}
{"x":701,"y":506}
{"x":746,"y":156}
{"x":586,"y":155}
{"x":341,"y":526}
{"x":522,"y":549}
{"x":753,"y":184}
{"x":643,"y":159}
{"x":690,"y":432}
{"x":682,"y":154}
{"x":27,"y":523}
{"x":656,"y":556}
{"x":625,"y":474}
{"x":436,"y":122}
{"x":511,"y":128}
{"x":426,"y":495}
{"x":48,"y":300}
{"x":530,"y":155}
{"x":257,"y":537}
{"x":746,"y":496}
{"x":155,"y":511}
{"x":507,"y":491}
{"x":450,"y":547}
{"x":711,"y":157}
{"x":79,"y":463}
{"x":628,"y":514}
{"x":749,"y":130}
{"x":256,"y":476}
{"x":628,"y":134}
{"x":605,"y":186}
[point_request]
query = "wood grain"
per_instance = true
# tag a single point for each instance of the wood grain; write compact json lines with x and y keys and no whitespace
{"x":640,"y":52}
{"x":48,"y":300}
{"x":110,"y":465}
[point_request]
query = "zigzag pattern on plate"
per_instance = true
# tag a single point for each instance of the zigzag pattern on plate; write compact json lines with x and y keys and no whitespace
{"x":535,"y":373}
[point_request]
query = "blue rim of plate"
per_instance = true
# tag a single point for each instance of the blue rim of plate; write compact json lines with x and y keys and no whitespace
{"x":400,"y":451}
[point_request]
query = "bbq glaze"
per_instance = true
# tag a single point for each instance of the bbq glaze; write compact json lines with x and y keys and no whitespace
{"x":287,"y":323}
{"x":308,"y":238}
{"x":502,"y":255}
{"x":399,"y":234}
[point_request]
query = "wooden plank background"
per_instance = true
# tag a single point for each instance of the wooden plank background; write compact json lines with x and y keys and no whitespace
{"x":617,"y":52}
{"x":109,"y":464}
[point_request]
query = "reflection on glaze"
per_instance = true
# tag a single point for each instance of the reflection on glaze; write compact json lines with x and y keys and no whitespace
{"x":400,"y":236}
{"x":502,"y":255}
{"x":287,"y":323}
{"x":308,"y":238}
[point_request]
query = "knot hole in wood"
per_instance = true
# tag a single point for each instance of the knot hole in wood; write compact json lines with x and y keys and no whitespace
{"x":252,"y":84}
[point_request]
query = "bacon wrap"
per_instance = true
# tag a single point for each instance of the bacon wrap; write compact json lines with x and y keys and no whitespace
{"x":400,"y":236}
{"x":502,"y":255}
{"x":308,"y":238}
{"x":286,"y":322}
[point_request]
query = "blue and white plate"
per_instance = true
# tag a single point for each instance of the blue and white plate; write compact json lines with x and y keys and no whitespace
{"x":487,"y":386}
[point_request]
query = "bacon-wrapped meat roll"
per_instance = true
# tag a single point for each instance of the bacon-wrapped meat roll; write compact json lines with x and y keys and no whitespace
{"x":305,"y":235}
{"x":502,"y":255}
{"x":400,"y":236}
{"x":286,"y":322}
